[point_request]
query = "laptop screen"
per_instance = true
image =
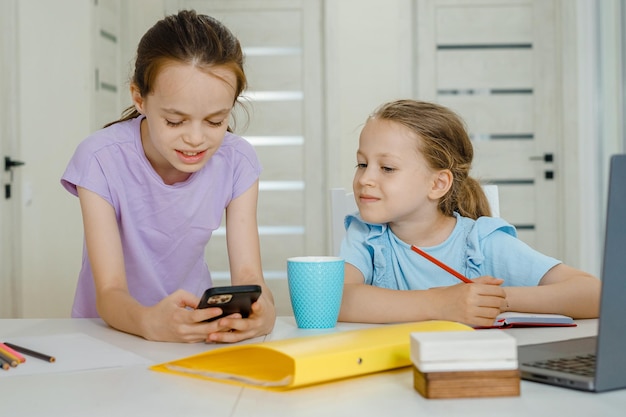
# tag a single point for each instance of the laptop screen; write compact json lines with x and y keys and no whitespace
{"x":611,"y":350}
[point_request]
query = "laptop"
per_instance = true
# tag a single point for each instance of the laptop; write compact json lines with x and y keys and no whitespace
{"x":605,"y":354}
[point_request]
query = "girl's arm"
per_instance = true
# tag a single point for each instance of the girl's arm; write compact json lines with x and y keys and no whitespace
{"x":244,"y":255}
{"x":562,"y":290}
{"x":169,"y":320}
{"x":474,"y":304}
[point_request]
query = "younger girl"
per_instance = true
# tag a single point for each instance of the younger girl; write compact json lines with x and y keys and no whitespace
{"x":153,"y":187}
{"x":412,"y":187}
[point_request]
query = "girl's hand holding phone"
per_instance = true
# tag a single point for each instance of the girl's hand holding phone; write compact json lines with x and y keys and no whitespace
{"x":235,"y":329}
{"x":231,"y":300}
{"x":176,"y":319}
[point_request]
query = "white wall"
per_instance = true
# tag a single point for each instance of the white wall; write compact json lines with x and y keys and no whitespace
{"x":594,"y":114}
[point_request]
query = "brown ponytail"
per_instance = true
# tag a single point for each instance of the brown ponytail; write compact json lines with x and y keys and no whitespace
{"x":186,"y":37}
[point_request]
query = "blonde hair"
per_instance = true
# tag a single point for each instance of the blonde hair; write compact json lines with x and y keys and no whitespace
{"x":445,"y":144}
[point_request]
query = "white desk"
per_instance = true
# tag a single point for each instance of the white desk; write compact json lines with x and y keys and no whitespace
{"x":137,"y":391}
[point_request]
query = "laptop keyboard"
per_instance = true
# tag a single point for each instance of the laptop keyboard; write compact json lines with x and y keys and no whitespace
{"x":584,"y":365}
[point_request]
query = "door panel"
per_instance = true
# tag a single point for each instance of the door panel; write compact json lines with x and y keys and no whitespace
{"x":261,"y":70}
{"x":289,"y":213}
{"x":108,"y":83}
{"x":481,"y":23}
{"x":460,"y":68}
{"x":9,"y":226}
{"x":493,"y":62}
{"x":270,"y":24}
{"x":274,"y":117}
{"x":57,"y":70}
{"x":290,"y":168}
{"x":515,"y":113}
{"x":504,"y":160}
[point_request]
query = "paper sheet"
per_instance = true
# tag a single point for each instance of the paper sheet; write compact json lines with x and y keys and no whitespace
{"x":73,"y":352}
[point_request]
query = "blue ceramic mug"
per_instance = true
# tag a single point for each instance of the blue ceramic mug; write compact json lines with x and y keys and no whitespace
{"x":315,"y":289}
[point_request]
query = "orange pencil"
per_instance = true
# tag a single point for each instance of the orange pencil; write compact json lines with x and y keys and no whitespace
{"x":11,"y":353}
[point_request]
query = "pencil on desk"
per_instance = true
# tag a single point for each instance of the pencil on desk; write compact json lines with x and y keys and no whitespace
{"x":441,"y":264}
{"x":6,"y":363}
{"x":8,"y":359}
{"x":29,"y":352}
{"x":11,"y":353}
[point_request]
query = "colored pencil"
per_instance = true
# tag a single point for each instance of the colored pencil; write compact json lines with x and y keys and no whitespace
{"x":11,"y":353}
{"x":4,"y":364}
{"x":29,"y":352}
{"x":8,"y":359}
{"x":441,"y":264}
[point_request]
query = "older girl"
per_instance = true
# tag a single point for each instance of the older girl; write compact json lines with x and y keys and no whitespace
{"x":153,"y":187}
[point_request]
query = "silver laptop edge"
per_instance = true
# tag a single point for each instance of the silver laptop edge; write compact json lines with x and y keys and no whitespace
{"x":610,"y":344}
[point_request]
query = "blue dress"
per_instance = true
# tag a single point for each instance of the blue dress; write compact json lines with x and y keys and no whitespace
{"x":486,"y":246}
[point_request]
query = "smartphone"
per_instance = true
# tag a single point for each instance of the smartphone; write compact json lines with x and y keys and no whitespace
{"x":232,"y":299}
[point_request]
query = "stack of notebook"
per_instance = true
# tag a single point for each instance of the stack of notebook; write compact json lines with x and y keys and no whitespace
{"x":465,"y":364}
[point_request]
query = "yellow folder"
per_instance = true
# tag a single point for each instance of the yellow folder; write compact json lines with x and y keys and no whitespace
{"x":293,"y":363}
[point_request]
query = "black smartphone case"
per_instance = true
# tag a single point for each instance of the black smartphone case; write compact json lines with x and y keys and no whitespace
{"x":232,"y":299}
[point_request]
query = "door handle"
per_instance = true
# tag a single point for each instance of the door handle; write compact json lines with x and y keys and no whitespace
{"x":10,"y":163}
{"x":546,"y":157}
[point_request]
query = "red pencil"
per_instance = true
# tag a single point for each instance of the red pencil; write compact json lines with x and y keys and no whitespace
{"x":11,"y":353}
{"x":441,"y":264}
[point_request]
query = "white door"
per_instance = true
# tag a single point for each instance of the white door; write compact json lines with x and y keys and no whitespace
{"x":9,"y":226}
{"x":495,"y":63}
{"x":64,"y":94}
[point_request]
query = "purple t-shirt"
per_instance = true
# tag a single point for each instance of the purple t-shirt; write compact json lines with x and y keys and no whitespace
{"x":164,"y":228}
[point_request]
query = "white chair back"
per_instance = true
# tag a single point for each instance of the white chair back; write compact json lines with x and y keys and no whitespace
{"x":493,"y":197}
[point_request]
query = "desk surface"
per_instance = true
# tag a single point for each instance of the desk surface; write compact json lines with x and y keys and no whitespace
{"x":137,"y":391}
